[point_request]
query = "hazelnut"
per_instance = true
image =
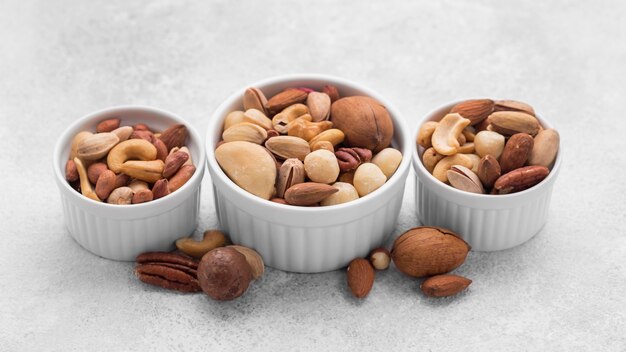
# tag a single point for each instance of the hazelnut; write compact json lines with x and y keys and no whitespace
{"x":380,"y":258}
{"x":224,"y":274}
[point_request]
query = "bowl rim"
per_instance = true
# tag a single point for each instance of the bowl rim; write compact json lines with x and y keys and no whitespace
{"x":450,"y":191}
{"x":127,"y":211}
{"x":401,"y":133}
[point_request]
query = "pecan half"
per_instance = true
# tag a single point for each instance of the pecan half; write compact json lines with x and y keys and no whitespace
{"x":350,"y":158}
{"x":168,"y":270}
{"x":520,"y":179}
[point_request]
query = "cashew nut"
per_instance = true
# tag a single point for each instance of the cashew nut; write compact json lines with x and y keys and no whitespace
{"x":130,"y":149}
{"x":467,"y":148}
{"x":85,"y":186}
{"x":441,"y":169}
{"x":445,"y":136}
{"x":149,"y":171}
{"x":469,"y":132}
{"x":288,"y":114}
{"x":322,"y":145}
{"x":425,"y":134}
{"x":333,"y":135}
{"x":475,"y":159}
{"x":306,"y":129}
{"x":212,"y":239}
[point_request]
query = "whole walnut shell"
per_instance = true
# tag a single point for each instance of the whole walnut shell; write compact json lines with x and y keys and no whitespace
{"x":224,"y":274}
{"x":365,"y":122}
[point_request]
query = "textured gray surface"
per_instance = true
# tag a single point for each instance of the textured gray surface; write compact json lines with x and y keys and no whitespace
{"x":563,"y":290}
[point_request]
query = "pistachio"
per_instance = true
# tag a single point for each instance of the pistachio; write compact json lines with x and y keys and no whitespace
{"x":288,"y":147}
{"x":257,"y":117}
{"x":233,"y":118}
{"x":291,"y":173}
{"x":253,"y":98}
{"x":245,"y":131}
{"x":464,"y":179}
{"x":513,"y":105}
{"x":319,"y":106}
{"x":249,"y":166}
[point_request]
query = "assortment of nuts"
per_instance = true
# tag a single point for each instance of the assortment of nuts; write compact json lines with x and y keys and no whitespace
{"x":487,"y":146}
{"x":307,"y":148}
{"x":129,"y":164}
{"x":419,"y":252}
{"x":222,"y":271}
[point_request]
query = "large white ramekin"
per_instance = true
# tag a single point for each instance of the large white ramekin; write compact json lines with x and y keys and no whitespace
{"x":122,"y":232}
{"x":303,"y":239}
{"x":486,"y":222}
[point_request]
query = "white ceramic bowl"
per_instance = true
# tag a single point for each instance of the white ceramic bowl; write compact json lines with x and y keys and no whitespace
{"x":303,"y":239}
{"x":122,"y":232}
{"x":486,"y":222}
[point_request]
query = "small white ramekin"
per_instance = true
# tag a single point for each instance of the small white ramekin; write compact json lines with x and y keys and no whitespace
{"x":303,"y":239}
{"x":121,"y":232}
{"x":486,"y":222}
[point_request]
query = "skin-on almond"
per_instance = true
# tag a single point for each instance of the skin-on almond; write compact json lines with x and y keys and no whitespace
{"x":516,"y":152}
{"x":520,"y":179}
{"x":488,"y":170}
{"x":475,"y":110}
{"x":308,"y":193}
{"x":360,"y":276}
{"x":444,"y":285}
{"x":284,"y":99}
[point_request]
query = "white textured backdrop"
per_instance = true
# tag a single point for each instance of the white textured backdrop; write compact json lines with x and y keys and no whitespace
{"x":563,"y":290}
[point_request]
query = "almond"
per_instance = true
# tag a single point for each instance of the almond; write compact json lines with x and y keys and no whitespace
{"x":174,"y":136}
{"x":426,"y":250}
{"x":360,"y":275}
{"x":520,"y":179}
{"x":286,"y":98}
{"x":108,"y":125}
{"x":516,"y":152}
{"x":444,"y":285}
{"x":173,"y":162}
{"x":308,"y":193}
{"x":475,"y":110}
{"x":488,"y":170}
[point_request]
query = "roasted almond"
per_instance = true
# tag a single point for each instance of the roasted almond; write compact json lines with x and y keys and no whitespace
{"x":174,"y":136}
{"x":516,"y":152}
{"x":360,"y":276}
{"x":488,"y":170}
{"x":520,"y":179}
{"x":444,"y":285}
{"x":308,"y":193}
{"x":475,"y":110}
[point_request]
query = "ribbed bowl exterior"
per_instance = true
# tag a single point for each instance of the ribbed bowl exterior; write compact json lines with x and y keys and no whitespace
{"x":316,"y":245}
{"x":124,"y":239}
{"x":486,"y":222}
{"x":307,"y":239}
{"x":484,"y":229}
{"x":121,"y":232}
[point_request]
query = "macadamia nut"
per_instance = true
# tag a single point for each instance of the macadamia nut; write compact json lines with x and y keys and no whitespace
{"x":489,"y":142}
{"x":388,"y":161}
{"x":346,"y":193}
{"x":321,"y":166}
{"x":368,"y":178}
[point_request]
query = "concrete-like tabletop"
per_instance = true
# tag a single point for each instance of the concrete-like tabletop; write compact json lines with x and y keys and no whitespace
{"x":563,"y":290}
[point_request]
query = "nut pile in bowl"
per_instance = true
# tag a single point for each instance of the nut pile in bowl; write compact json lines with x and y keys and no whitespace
{"x":307,"y":148}
{"x":129,"y":164}
{"x":486,"y":146}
